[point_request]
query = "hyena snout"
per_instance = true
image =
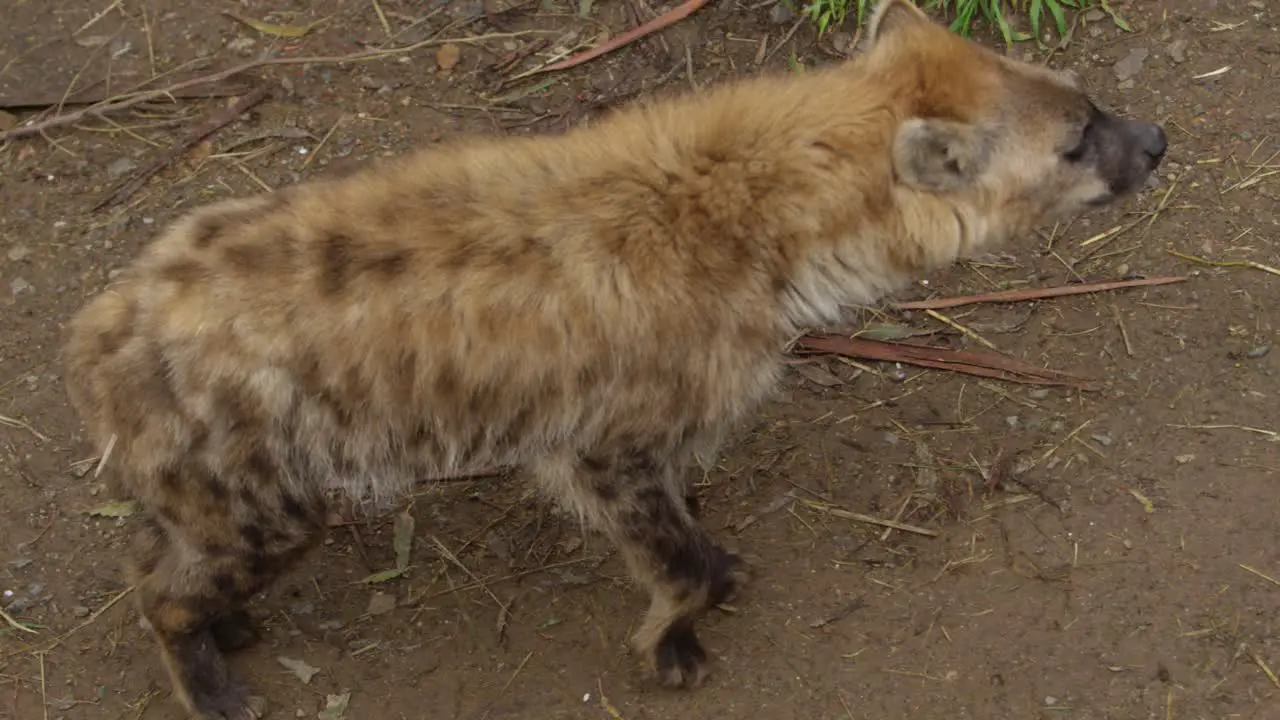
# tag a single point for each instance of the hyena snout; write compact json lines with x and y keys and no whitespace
{"x":1136,"y":149}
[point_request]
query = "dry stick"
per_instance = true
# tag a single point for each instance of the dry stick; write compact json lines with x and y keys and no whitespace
{"x":8,"y":620}
{"x":50,"y":645}
{"x":1260,"y":574}
{"x":214,"y":124}
{"x":146,"y":95}
{"x":668,"y":18}
{"x":982,"y":365}
{"x":1226,"y":264}
{"x":1037,"y":294}
{"x":849,"y":515}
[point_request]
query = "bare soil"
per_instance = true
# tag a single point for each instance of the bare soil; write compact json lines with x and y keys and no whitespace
{"x":1103,"y":554}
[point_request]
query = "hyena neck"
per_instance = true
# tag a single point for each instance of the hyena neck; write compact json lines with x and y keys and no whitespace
{"x":879,"y":252}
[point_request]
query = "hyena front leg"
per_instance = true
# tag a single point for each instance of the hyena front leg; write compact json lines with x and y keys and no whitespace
{"x":635,"y":497}
{"x":216,"y":541}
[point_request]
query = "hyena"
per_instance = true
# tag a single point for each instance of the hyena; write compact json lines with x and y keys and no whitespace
{"x":598,"y":308}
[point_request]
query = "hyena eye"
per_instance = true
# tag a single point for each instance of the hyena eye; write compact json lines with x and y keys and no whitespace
{"x":1076,"y":153}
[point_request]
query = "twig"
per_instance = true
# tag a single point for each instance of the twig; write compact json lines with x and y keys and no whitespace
{"x":1259,"y":573}
{"x":8,"y":620}
{"x":1232,"y":263}
{"x":1246,"y":428}
{"x":668,"y":18}
{"x":214,"y":124}
{"x":513,"y":576}
{"x":1257,"y":660}
{"x":605,"y":704}
{"x":44,"y":691}
{"x":264,"y":61}
{"x":453,"y":559}
{"x":84,"y":624}
{"x":1035,"y":294}
{"x":16,"y":423}
{"x":850,"y":515}
{"x":961,"y":328}
{"x":316,"y":150}
{"x":1124,"y":333}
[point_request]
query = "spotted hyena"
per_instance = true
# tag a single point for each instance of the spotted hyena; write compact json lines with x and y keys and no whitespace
{"x":598,"y":308}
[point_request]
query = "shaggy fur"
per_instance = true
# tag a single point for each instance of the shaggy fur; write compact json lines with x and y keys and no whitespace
{"x":598,"y":307}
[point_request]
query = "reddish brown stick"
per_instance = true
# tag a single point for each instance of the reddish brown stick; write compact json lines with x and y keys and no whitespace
{"x":1037,"y":294}
{"x":983,"y":365}
{"x":666,"y":19}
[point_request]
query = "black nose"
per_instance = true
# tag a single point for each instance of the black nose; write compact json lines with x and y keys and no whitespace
{"x":1154,"y":143}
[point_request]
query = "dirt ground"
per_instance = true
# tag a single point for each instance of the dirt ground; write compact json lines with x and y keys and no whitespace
{"x":1103,"y":554}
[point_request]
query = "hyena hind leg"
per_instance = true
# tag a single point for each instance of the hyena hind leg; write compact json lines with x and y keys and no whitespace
{"x":635,"y":498}
{"x":194,"y":576}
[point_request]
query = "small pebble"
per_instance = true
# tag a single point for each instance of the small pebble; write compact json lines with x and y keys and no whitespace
{"x":80,"y":611}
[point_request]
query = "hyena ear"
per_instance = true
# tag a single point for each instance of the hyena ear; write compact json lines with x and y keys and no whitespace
{"x":893,"y":16}
{"x":939,"y":155}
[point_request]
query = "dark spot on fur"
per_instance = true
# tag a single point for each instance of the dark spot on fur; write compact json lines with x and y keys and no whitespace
{"x":207,"y":230}
{"x":225,"y":582}
{"x":254,"y":537}
{"x":170,"y":479}
{"x":391,"y":265}
{"x":293,"y":508}
{"x":213,"y":485}
{"x":686,"y":555}
{"x":595,"y":463}
{"x":244,"y":257}
{"x":183,"y":271}
{"x":260,"y":466}
{"x":335,"y":264}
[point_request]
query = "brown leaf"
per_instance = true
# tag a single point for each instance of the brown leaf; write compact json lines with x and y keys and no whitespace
{"x":8,"y":121}
{"x":448,"y":55}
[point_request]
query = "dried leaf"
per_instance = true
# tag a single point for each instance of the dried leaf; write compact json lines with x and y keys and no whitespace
{"x":448,"y":55}
{"x":284,"y":31}
{"x":8,"y":121}
{"x":335,"y":707}
{"x":115,"y":509}
{"x":402,"y":539}
{"x":383,"y":576}
{"x":299,"y":668}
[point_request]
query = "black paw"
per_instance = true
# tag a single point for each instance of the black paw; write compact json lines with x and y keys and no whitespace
{"x":728,"y":574}
{"x":679,"y":659}
{"x":234,"y":631}
{"x":206,"y":685}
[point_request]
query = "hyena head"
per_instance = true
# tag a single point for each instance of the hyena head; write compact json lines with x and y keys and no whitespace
{"x":1013,"y":145}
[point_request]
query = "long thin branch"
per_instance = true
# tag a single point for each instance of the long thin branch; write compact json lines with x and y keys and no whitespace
{"x":1035,"y":294}
{"x":147,"y":95}
{"x":666,"y":19}
{"x":212,"y":125}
